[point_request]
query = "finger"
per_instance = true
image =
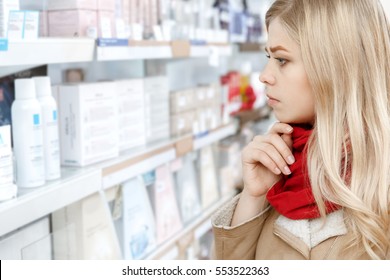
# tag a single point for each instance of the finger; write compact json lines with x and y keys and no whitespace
{"x":287,"y":138}
{"x":259,"y":156}
{"x":276,"y":157}
{"x":281,"y":128}
{"x":285,"y":149}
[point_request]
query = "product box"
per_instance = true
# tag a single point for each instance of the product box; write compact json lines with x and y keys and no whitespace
{"x":5,"y":7}
{"x":182,"y":100}
{"x":208,"y":177}
{"x":182,"y":123}
{"x":131,"y":113}
{"x":139,"y":228}
{"x":157,"y":120}
{"x":72,"y":23}
{"x":31,"y":242}
{"x":8,"y":189}
{"x":84,"y":230}
{"x":187,"y":189}
{"x":107,"y":5}
{"x":43,"y":24}
{"x":71,"y":5}
{"x":106,"y":24}
{"x":162,"y":193}
{"x":89,"y":124}
{"x":15,"y":25}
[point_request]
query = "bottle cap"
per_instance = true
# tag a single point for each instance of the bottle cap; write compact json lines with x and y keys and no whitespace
{"x":42,"y":86}
{"x":24,"y":89}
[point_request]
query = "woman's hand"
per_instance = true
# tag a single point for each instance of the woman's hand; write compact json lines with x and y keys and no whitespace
{"x":266,"y":158}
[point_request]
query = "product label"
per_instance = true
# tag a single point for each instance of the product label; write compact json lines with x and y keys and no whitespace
{"x":36,"y":119}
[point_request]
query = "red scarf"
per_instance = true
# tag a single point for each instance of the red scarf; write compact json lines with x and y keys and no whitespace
{"x":292,"y":196}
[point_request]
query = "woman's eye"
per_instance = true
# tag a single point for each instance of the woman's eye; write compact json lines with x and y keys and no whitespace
{"x":282,"y":61}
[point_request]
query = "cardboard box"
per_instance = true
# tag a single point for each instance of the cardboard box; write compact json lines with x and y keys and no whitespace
{"x":83,"y":230}
{"x":131,"y":113}
{"x":106,"y":5}
{"x":88,"y":116}
{"x":71,"y":4}
{"x":182,"y":100}
{"x":106,"y":24}
{"x":72,"y":23}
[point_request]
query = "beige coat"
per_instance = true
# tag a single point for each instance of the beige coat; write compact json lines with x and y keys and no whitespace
{"x":272,"y":236}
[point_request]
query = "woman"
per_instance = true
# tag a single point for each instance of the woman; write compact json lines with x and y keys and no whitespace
{"x":317,"y":185}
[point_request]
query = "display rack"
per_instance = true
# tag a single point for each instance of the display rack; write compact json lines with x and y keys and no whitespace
{"x":198,"y":227}
{"x":78,"y":183}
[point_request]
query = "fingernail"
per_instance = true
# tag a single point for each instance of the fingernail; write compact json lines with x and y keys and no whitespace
{"x":290,"y":160}
{"x":289,"y":129}
{"x":277,"y":170}
{"x":287,"y":170}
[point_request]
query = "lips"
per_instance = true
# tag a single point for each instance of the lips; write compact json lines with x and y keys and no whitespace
{"x":272,"y":101}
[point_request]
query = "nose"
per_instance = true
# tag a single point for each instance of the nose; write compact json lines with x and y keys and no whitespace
{"x":266,"y":76}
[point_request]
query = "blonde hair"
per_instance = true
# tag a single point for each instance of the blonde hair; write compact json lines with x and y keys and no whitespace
{"x":345,"y":46}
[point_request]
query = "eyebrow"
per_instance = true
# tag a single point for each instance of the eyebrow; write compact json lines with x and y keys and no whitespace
{"x":276,"y":48}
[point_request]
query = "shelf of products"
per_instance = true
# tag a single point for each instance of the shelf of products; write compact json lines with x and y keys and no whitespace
{"x":195,"y":226}
{"x":53,"y":50}
{"x":78,"y":183}
{"x":32,"y":204}
{"x":48,"y":51}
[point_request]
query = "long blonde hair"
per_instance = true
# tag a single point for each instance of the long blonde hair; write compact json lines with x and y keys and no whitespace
{"x":345,"y":46}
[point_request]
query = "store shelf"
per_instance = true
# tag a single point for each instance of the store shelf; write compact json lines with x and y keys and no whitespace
{"x":198,"y":226}
{"x":215,"y":136}
{"x":142,"y":160}
{"x":133,"y":52}
{"x":32,"y":204}
{"x":134,"y":165}
{"x":157,"y":51}
{"x":208,"y":50}
{"x":48,"y":51}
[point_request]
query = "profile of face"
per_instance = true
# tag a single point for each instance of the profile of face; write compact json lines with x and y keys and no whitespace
{"x":287,"y":86}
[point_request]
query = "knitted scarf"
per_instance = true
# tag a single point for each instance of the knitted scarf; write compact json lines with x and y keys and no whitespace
{"x":292,"y":196}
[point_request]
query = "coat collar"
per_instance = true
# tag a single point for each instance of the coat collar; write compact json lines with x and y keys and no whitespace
{"x":303,"y":235}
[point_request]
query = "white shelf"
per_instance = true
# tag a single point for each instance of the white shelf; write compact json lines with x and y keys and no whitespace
{"x":136,"y":52}
{"x":198,"y":226}
{"x":48,"y":51}
{"x":156,"y":52}
{"x":206,"y":51}
{"x":215,"y":136}
{"x":32,"y":204}
{"x":78,"y":183}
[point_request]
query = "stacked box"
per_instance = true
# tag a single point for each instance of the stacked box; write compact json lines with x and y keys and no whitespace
{"x":5,"y":7}
{"x":72,"y":23}
{"x":157,"y":121}
{"x":88,"y":117}
{"x":131,"y":112}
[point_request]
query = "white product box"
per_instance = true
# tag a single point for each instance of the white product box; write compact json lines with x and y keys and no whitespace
{"x":7,"y":188}
{"x":131,"y":113}
{"x":139,"y":227}
{"x":106,"y":5}
{"x":156,"y":108}
{"x":31,"y":25}
{"x":15,"y":25}
{"x":72,"y":23}
{"x":71,"y":4}
{"x":5,"y":7}
{"x":83,"y":230}
{"x":182,"y":100}
{"x":88,"y":117}
{"x":29,"y":242}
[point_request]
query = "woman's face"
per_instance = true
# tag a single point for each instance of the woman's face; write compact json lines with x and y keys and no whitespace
{"x":287,"y":86}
